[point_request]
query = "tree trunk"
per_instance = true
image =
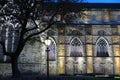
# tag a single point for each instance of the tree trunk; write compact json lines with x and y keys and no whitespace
{"x":14,"y":64}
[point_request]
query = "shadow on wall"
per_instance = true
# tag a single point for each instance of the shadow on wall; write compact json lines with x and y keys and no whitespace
{"x":4,"y":58}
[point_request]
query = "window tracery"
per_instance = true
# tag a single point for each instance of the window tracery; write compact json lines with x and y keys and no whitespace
{"x":76,"y":48}
{"x":102,"y":49}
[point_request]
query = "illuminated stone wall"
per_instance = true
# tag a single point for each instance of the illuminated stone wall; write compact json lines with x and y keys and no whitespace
{"x":61,"y":51}
{"x":33,"y":56}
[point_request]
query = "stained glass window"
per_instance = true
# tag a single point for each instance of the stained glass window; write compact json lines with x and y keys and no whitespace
{"x":76,"y":47}
{"x":102,"y":49}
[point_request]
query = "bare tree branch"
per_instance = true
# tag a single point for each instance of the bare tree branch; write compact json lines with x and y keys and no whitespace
{"x":37,"y":33}
{"x":50,"y":23}
{"x":36,"y":26}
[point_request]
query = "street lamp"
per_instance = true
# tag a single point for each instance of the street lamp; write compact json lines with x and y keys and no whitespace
{"x":47,"y":43}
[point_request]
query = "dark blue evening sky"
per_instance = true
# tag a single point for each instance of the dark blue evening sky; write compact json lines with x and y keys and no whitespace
{"x":93,"y":1}
{"x":103,"y":1}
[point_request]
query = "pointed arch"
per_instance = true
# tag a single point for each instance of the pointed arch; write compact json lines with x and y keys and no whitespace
{"x":102,"y":47}
{"x":76,"y":48}
{"x":52,"y":48}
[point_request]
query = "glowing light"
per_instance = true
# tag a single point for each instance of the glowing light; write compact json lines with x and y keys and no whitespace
{"x":47,"y":41}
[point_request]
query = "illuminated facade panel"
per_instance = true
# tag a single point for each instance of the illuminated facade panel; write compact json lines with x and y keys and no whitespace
{"x":61,"y":65}
{"x":116,"y":49}
{"x":89,"y":50}
{"x":117,"y":65}
{"x":89,"y":65}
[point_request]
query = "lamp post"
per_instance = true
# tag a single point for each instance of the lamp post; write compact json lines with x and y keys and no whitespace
{"x":47,"y":42}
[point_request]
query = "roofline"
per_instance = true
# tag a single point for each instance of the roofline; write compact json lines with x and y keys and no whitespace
{"x":79,"y":6}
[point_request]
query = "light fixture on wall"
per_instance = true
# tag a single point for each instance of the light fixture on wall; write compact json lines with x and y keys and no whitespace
{"x":47,"y":43}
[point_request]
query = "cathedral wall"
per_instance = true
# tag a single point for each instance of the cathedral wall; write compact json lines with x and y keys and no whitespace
{"x":33,"y":57}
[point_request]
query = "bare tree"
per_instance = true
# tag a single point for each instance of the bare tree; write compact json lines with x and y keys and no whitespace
{"x":19,"y":22}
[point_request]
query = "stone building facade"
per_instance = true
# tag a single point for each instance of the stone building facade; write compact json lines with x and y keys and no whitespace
{"x":87,"y":44}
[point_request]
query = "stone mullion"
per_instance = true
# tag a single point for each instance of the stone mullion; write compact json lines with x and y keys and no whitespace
{"x":61,"y":50}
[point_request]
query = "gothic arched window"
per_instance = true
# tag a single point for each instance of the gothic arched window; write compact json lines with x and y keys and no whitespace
{"x":102,"y":48}
{"x":76,"y":49}
{"x":52,"y":52}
